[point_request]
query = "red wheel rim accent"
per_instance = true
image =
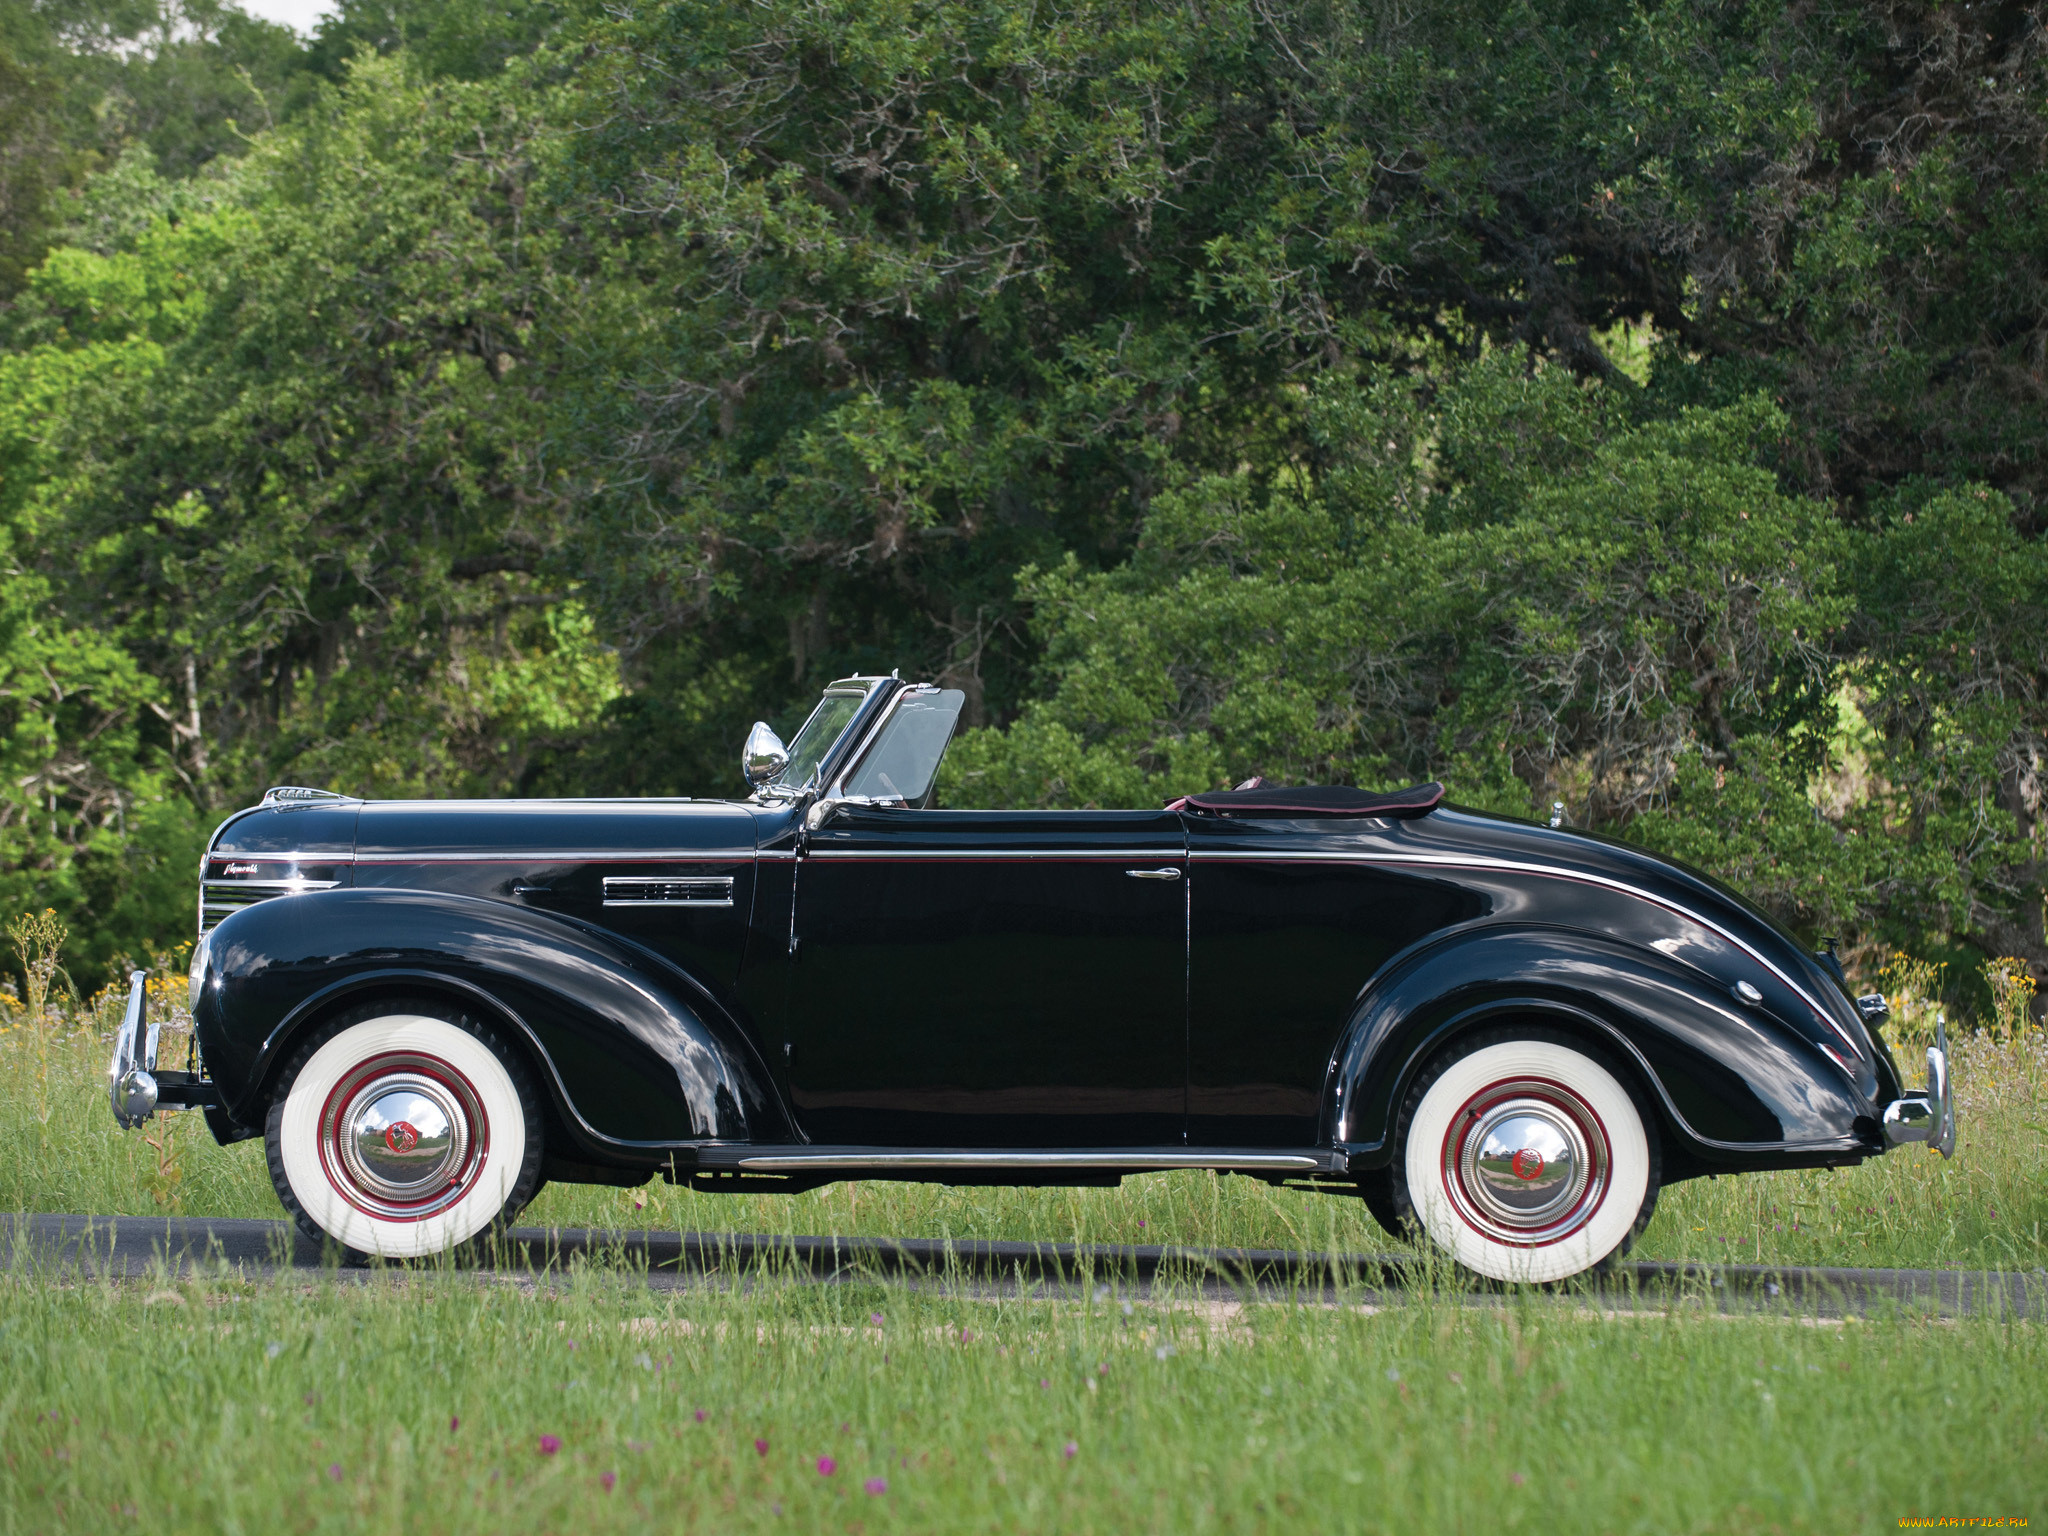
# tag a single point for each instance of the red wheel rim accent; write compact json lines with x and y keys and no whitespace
{"x":364,"y":1082}
{"x":1570,"y":1110}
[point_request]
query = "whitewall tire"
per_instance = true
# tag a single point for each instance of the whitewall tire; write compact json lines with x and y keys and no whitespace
{"x":1525,"y":1157}
{"x":403,"y":1130}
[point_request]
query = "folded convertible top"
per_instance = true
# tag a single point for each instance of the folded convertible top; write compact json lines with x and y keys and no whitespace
{"x":1256,"y":798}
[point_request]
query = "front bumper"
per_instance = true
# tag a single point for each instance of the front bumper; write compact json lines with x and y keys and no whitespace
{"x":135,"y":1088}
{"x":1930,"y":1115}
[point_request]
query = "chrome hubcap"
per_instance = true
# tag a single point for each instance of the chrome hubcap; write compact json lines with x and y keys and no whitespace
{"x":404,"y":1137}
{"x":400,"y":1134}
{"x":1526,"y":1163}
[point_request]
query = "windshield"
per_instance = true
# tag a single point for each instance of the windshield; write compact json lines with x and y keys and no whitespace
{"x":816,"y":738}
{"x":902,"y":764}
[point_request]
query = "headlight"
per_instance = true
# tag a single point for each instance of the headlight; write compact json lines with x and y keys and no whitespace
{"x":197,"y":975}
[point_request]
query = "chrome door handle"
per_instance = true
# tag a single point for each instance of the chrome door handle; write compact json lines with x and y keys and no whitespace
{"x":1153,"y":874}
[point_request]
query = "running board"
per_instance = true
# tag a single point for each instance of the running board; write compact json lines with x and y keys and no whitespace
{"x":1124,"y":1159}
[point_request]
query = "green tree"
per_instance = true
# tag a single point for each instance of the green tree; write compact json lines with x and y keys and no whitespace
{"x":187,"y":79}
{"x":93,"y":817}
{"x":1567,"y":623}
{"x":29,"y":162}
{"x":1634,"y":408}
{"x":461,"y":39}
{"x":337,"y":563}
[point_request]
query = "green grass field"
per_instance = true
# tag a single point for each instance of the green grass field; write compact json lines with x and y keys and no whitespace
{"x":429,"y":1403}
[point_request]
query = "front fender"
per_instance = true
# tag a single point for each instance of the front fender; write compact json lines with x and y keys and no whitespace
{"x":636,"y":1054}
{"x":1733,"y":1084}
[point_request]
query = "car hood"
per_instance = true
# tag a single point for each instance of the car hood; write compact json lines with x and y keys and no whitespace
{"x":402,"y":830}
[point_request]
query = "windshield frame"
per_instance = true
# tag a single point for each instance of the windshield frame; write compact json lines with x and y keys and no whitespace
{"x":856,"y":761}
{"x":798,"y":747}
{"x":831,"y":757}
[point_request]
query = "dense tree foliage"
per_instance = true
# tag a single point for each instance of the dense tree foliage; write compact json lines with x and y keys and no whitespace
{"x":1638,"y":408}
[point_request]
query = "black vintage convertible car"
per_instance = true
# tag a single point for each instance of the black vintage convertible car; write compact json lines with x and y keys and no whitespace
{"x":1507,"y":1036}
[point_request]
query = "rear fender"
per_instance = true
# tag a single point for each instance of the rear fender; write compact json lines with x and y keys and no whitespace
{"x":637,"y":1055}
{"x":1734,"y":1086}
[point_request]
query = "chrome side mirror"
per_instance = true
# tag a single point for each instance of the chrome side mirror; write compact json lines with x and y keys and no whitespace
{"x":764,"y":755}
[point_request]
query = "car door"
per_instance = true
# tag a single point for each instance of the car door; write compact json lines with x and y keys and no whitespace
{"x":1288,"y":921}
{"x":991,"y":979}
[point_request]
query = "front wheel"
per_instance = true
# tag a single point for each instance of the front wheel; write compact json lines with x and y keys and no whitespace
{"x":1524,"y":1157}
{"x":402,"y":1130}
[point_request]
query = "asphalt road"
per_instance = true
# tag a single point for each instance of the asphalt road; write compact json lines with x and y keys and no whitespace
{"x":137,"y":1247}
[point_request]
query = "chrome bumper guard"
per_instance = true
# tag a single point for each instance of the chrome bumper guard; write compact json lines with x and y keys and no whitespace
{"x":131,"y":1076}
{"x":1928,"y":1116}
{"x":135,"y":1088}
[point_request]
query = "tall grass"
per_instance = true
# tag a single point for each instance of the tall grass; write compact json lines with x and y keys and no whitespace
{"x":427,"y":1403}
{"x":1986,"y":1208}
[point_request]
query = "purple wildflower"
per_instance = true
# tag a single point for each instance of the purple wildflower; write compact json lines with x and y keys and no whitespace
{"x":454,"y":1422}
{"x":876,"y":1485}
{"x":1070,"y":1450}
{"x":609,"y":1479}
{"x":702,"y":1415}
{"x":760,"y":1447}
{"x":827,"y":1466}
{"x":549,"y":1444}
{"x":334,"y":1471}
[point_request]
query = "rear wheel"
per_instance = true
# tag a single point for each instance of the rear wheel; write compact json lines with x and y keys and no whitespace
{"x":402,"y":1130}
{"x":1524,"y":1157}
